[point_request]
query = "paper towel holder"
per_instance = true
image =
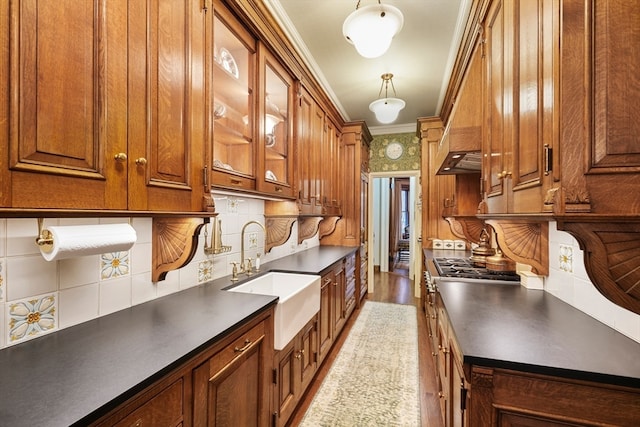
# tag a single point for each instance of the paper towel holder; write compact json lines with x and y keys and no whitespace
{"x":45,"y":238}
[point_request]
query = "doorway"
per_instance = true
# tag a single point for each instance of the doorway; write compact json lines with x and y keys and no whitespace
{"x":395,"y":221}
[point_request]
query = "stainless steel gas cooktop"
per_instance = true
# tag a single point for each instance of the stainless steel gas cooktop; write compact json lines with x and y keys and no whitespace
{"x":463,"y":268}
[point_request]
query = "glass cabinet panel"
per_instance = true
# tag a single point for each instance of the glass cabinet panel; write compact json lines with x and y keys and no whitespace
{"x":276,"y":126}
{"x":233,"y":102}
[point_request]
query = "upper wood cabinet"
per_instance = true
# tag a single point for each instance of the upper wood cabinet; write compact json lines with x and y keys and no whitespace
{"x":103,"y":96}
{"x":275,"y":147}
{"x":521,"y":93}
{"x":233,"y":78}
{"x":309,"y":134}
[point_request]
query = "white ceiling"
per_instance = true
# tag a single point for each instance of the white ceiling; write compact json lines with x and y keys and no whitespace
{"x":420,"y":56}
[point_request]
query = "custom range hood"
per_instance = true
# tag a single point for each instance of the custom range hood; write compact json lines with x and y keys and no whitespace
{"x":460,"y":151}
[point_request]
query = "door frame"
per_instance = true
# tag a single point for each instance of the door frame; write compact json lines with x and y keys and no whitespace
{"x":415,"y":226}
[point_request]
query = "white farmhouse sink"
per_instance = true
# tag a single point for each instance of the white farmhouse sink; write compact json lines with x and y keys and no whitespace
{"x":299,"y":301}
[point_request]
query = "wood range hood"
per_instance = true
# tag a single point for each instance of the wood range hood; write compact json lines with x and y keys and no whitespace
{"x":460,"y":151}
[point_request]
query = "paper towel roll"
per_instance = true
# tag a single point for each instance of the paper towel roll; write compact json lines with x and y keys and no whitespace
{"x":81,"y":240}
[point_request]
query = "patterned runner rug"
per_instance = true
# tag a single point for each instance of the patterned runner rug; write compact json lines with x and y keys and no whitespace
{"x":374,"y":379}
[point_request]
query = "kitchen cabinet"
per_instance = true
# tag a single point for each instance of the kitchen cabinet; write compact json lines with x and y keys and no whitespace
{"x":331,"y":173}
{"x":296,"y":366}
{"x":350,"y":285}
{"x":232,"y":386}
{"x":325,"y":331}
{"x":352,"y":227}
{"x":521,"y":104}
{"x":310,"y":133}
{"x":438,"y":191}
{"x":275,"y":149}
{"x":121,"y":116}
{"x":228,"y":383}
{"x":233,"y":79}
{"x":338,"y":307}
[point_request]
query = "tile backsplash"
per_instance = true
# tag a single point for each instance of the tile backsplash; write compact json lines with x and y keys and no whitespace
{"x":38,"y":297}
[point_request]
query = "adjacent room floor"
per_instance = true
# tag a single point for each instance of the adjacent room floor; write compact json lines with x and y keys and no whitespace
{"x":393,"y":287}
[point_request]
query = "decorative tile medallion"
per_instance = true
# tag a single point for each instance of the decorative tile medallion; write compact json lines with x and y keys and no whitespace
{"x":232,"y":205}
{"x":114,"y":264}
{"x":566,"y":258}
{"x":205,"y":270}
{"x":253,"y":240}
{"x":31,"y":317}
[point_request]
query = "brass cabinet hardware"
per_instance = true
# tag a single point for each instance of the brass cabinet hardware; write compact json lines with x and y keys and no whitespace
{"x":120,"y":157}
{"x":247,"y":344}
{"x":141,"y":161}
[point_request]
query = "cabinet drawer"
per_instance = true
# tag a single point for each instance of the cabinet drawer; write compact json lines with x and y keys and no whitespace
{"x":237,"y":182}
{"x":239,"y":346}
{"x":164,"y":409}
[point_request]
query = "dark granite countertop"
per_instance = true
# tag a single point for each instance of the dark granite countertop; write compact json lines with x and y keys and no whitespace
{"x":73,"y":375}
{"x":510,"y":326}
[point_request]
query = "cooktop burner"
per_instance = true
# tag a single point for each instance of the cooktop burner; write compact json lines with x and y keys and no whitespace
{"x":463,"y":268}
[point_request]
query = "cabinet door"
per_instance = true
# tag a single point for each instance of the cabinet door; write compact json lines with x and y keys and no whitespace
{"x":325,"y":318}
{"x":521,"y":100}
{"x":286,"y":389}
{"x":166,"y":103}
{"x":275,"y":171}
{"x":338,"y":310}
{"x":496,"y":149}
{"x":229,"y":389}
{"x":234,"y":102}
{"x":305,"y":151}
{"x":67,"y":99}
{"x":308,"y":354}
{"x":331,"y":178}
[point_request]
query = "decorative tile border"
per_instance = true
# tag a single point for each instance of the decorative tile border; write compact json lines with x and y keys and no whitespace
{"x":566,"y":258}
{"x":31,"y":317}
{"x":115,"y":264}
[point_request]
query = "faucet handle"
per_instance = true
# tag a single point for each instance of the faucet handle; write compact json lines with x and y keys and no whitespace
{"x":249,"y":267}
{"x":234,"y":272}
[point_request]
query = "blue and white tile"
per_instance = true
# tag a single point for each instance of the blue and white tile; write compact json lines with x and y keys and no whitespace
{"x":565,"y":258}
{"x":30,"y":275}
{"x":78,"y":304}
{"x":31,"y":317}
{"x":114,"y":265}
{"x":205,"y":270}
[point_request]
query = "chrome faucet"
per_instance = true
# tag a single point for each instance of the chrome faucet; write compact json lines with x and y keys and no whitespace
{"x":247,"y":268}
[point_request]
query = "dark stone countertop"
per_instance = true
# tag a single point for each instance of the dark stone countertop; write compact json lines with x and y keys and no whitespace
{"x":510,"y":326}
{"x":75,"y":374}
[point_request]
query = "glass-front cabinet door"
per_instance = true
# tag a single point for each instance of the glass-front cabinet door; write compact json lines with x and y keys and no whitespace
{"x":233,"y":80}
{"x":276,"y":127}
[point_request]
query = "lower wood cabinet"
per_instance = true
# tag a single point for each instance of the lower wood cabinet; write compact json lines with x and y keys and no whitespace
{"x":296,"y":366}
{"x":227,"y":384}
{"x":479,"y":396}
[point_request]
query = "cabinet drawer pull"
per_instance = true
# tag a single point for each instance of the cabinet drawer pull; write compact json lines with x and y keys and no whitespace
{"x":247,"y":344}
{"x":278,"y":189}
{"x":235,"y":181}
{"x":138,"y":423}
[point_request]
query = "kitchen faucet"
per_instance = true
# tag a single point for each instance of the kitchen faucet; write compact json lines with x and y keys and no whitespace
{"x":247,"y":268}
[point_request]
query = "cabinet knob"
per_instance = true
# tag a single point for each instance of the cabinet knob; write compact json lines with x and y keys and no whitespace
{"x":120,"y":157}
{"x":504,"y":174}
{"x":141,"y":161}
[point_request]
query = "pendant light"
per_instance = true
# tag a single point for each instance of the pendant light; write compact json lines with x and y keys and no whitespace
{"x":371,"y":28}
{"x":387,"y":109}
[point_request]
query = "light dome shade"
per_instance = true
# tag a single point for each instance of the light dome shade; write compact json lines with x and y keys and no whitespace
{"x":387,"y":109}
{"x":371,"y":28}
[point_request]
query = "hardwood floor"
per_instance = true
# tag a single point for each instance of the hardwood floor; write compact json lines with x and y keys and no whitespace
{"x":393,"y":287}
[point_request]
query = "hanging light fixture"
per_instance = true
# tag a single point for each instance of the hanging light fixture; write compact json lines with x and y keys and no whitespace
{"x":371,"y":28}
{"x":387,"y":109}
